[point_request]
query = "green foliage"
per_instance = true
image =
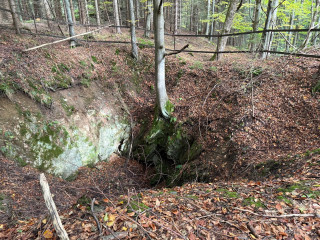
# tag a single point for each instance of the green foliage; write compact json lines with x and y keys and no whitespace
{"x":315,"y":89}
{"x":251,"y":201}
{"x":228,"y":193}
{"x":197,"y":65}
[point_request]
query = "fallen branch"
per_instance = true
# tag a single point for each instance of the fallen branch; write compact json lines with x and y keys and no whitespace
{"x":252,"y":230}
{"x":280,"y":216}
{"x":177,"y":52}
{"x":65,"y":39}
{"x":61,"y":232}
{"x":117,"y":235}
{"x":95,"y":217}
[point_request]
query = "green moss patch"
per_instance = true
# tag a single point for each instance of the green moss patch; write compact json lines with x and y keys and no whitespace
{"x":227,"y":193}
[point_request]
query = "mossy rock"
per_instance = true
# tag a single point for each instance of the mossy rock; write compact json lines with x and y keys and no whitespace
{"x":167,"y":147}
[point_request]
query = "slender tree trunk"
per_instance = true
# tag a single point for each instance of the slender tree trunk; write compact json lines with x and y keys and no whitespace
{"x":70,"y":22}
{"x":87,"y":12}
{"x":57,"y":8}
{"x":270,"y":22}
{"x":158,"y":21}
{"x":97,"y":12}
{"x":208,"y":17}
{"x":212,"y":21}
{"x":134,"y":48}
{"x":72,"y":11}
{"x":255,"y":25}
{"x":148,"y":20}
{"x":222,"y":41}
{"x":116,"y":16}
{"x":138,"y":12}
{"x":15,"y":18}
{"x":176,"y":16}
{"x":292,"y":16}
{"x":312,"y":24}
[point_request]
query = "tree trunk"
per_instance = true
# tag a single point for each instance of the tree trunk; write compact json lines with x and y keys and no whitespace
{"x":15,"y":18}
{"x":312,"y":24}
{"x":148,"y":20}
{"x":270,"y":22}
{"x":222,"y":41}
{"x":138,"y":12}
{"x":176,"y":16}
{"x":208,"y":17}
{"x":292,"y":16}
{"x":255,"y":25}
{"x":134,"y":48}
{"x":57,"y":8}
{"x":72,"y":11}
{"x":70,"y":23}
{"x":97,"y":12}
{"x":212,"y":22}
{"x":158,"y":21}
{"x":116,"y":16}
{"x":87,"y":12}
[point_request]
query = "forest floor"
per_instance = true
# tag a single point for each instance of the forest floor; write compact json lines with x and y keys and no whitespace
{"x":258,"y":122}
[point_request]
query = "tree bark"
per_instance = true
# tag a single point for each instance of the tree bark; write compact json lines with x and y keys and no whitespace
{"x":148,"y":19}
{"x":158,"y":21}
{"x":292,"y":16}
{"x":70,"y":23}
{"x":56,"y":221}
{"x":15,"y":18}
{"x":222,"y":41}
{"x":97,"y":12}
{"x":134,"y":48}
{"x":255,"y":25}
{"x":208,"y":17}
{"x":312,"y":24}
{"x":270,"y":22}
{"x":138,"y":12}
{"x":57,"y":8}
{"x":116,"y":16}
{"x":212,"y":22}
{"x":72,"y":11}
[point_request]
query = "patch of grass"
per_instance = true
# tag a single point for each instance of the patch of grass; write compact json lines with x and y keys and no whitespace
{"x":306,"y":191}
{"x":137,"y":206}
{"x":228,"y":193}
{"x":286,"y":200}
{"x":213,"y":68}
{"x":194,"y":197}
{"x":94,"y":59}
{"x":196,"y":65}
{"x":251,"y":201}
{"x":144,"y":43}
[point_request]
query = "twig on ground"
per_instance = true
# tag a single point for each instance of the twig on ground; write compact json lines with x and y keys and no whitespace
{"x":95,"y":217}
{"x":252,"y":230}
{"x":280,"y":216}
{"x":113,"y":233}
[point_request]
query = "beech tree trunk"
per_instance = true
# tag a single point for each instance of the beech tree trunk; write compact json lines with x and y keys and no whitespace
{"x":212,"y":21}
{"x":148,"y":19}
{"x":312,"y":24}
{"x":72,"y":11}
{"x":58,"y":10}
{"x":138,"y":12}
{"x":116,"y":16}
{"x":158,"y":21}
{"x":134,"y":47}
{"x":15,"y":18}
{"x":176,"y":16}
{"x":97,"y":12}
{"x":70,"y":23}
{"x":222,"y":41}
{"x":270,"y":22}
{"x":208,"y":17}
{"x":292,"y":16}
{"x":255,"y":25}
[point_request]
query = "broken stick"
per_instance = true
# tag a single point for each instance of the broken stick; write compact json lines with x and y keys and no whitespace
{"x":61,"y":232}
